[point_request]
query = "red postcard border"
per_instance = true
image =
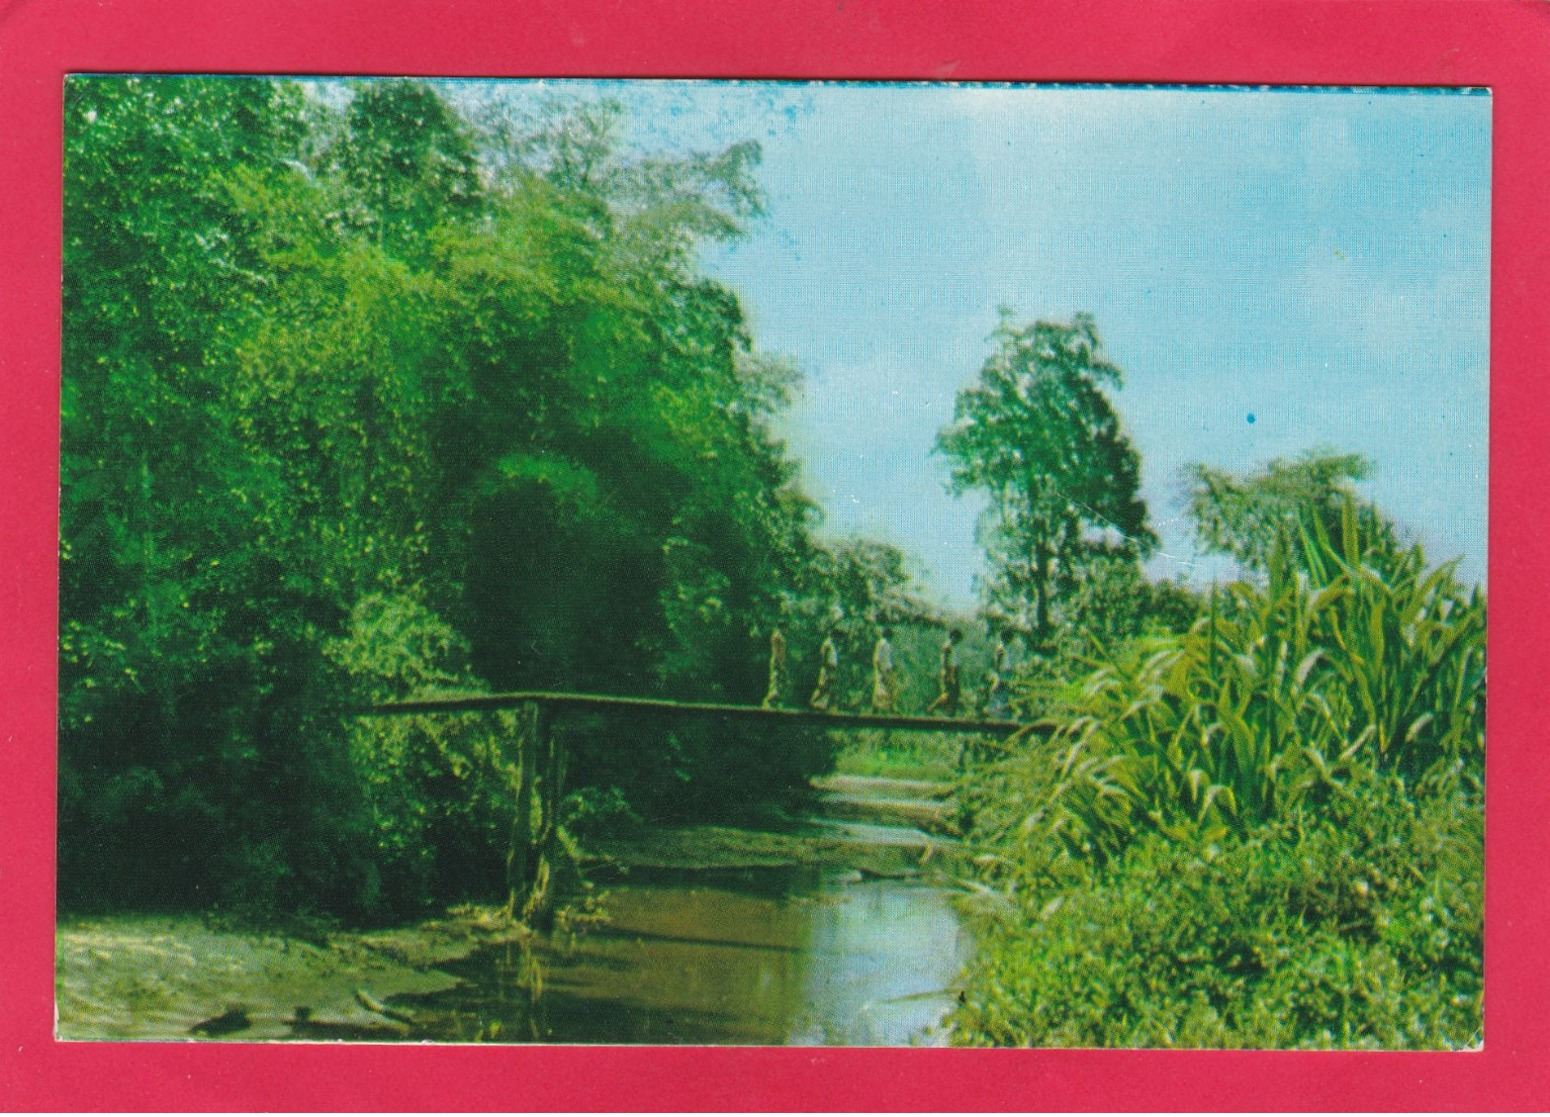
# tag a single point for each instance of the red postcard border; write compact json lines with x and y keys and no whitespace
{"x":1493,"y":43}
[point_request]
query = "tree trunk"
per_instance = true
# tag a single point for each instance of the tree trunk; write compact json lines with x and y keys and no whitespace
{"x":1040,"y":565}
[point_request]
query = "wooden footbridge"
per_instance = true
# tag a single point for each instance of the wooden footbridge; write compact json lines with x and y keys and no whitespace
{"x":541,"y":758}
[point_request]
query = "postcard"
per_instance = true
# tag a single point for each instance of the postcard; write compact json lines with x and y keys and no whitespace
{"x":658,"y":572}
{"x":773,"y":563}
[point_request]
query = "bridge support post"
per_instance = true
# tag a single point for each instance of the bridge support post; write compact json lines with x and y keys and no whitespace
{"x":548,"y":857}
{"x":522,"y":859}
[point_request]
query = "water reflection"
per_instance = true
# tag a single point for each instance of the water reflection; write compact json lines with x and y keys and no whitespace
{"x":883,"y":958}
{"x":754,"y":957}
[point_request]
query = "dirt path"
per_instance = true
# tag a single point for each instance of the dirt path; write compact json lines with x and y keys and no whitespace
{"x":899,"y":802}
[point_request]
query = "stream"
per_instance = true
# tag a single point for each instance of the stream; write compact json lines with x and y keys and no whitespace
{"x":812,"y":954}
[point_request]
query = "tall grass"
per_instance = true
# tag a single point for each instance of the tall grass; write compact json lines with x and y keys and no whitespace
{"x":1265,"y":832}
{"x":1348,"y":655}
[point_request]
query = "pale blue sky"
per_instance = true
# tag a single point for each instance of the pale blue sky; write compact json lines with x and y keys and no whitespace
{"x":1315,"y":260}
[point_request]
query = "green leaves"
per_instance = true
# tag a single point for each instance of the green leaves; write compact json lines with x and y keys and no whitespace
{"x":1279,"y":692}
{"x":1358,"y":928}
{"x":410,"y":160}
{"x":1252,"y":515}
{"x":1264,"y":832}
{"x":362,"y":396}
{"x":1039,"y":435}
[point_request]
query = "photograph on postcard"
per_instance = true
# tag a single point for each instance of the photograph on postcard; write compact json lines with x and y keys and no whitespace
{"x":772,"y":563}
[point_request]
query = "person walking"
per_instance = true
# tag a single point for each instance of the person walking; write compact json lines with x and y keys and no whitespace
{"x":997,"y":698}
{"x":828,"y":671}
{"x":779,"y":670}
{"x":947,"y":676}
{"x":883,"y":682}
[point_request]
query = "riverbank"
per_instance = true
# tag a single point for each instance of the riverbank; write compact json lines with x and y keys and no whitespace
{"x":163,"y":977}
{"x":128,"y":977}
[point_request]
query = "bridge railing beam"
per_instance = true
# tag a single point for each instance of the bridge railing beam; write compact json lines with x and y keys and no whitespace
{"x":558,"y":701}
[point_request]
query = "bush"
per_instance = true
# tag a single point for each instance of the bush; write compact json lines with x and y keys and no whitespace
{"x":1267,"y":832}
{"x":592,"y":812}
{"x":1357,"y":927}
{"x":440,"y":788}
{"x":1279,"y":694}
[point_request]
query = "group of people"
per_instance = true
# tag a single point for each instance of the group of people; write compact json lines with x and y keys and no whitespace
{"x":885,"y":682}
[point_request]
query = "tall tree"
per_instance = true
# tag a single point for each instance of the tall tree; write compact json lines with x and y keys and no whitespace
{"x":1249,"y":515}
{"x":188,"y":621}
{"x":1038,"y":434}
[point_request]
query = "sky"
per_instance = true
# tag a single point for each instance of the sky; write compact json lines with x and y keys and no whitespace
{"x":1273,"y":269}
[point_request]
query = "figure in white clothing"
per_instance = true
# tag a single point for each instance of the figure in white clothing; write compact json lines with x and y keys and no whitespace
{"x":828,"y":671}
{"x":883,"y":693}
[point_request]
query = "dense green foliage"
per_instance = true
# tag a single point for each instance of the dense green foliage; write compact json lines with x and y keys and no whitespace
{"x":362,"y":401}
{"x":1040,"y":437}
{"x":1266,"y":831}
{"x":1357,"y":926}
{"x":1274,"y":696}
{"x":1248,"y":516}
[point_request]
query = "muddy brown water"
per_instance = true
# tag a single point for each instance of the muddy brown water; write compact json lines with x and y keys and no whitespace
{"x":814,"y":954}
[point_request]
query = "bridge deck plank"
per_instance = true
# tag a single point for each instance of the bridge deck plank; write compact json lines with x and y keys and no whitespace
{"x":558,"y":701}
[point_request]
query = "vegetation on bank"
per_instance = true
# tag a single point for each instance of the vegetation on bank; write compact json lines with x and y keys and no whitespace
{"x":366,"y":395}
{"x":1266,"y":831}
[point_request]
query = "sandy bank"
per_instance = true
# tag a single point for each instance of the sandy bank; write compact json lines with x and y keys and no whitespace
{"x":162,"y":977}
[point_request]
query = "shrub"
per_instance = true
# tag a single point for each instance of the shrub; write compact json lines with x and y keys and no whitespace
{"x":591,"y":812}
{"x":440,"y":787}
{"x":1278,"y":694}
{"x":1358,"y":926}
{"x":1267,"y":832}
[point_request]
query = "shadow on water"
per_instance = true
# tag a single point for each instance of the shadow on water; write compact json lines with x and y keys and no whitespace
{"x":797,"y":955}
